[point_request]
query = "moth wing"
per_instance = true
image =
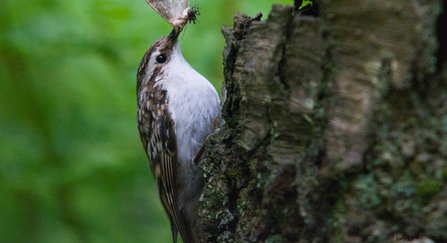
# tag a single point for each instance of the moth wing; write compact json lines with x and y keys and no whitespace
{"x":179,"y":7}
{"x":164,"y":8}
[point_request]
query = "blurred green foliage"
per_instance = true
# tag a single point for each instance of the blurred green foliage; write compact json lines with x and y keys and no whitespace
{"x":72,"y":168}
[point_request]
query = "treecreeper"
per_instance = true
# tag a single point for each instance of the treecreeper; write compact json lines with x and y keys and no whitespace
{"x":176,"y":111}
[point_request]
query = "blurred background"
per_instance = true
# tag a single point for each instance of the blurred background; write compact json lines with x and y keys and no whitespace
{"x":72,"y":168}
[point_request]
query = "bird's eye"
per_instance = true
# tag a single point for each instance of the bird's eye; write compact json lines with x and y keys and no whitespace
{"x":160,"y":58}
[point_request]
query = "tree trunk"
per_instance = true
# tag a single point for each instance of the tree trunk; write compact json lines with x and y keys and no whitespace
{"x":336,"y":126}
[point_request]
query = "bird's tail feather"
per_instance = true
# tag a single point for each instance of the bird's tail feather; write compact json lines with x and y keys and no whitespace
{"x":174,"y":231}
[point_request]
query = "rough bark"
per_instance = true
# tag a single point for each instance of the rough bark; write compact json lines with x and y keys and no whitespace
{"x":335,"y":129}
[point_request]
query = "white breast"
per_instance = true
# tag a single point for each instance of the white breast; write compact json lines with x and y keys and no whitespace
{"x":193,"y":102}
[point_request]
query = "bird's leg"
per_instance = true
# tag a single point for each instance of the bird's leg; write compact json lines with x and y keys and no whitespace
{"x":202,"y":149}
{"x":215,"y":121}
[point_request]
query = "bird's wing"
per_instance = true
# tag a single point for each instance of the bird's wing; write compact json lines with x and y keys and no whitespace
{"x":166,"y":165}
{"x":168,"y":162}
{"x":157,"y":132}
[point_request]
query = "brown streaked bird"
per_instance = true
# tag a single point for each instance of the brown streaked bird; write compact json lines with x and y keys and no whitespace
{"x":176,"y":109}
